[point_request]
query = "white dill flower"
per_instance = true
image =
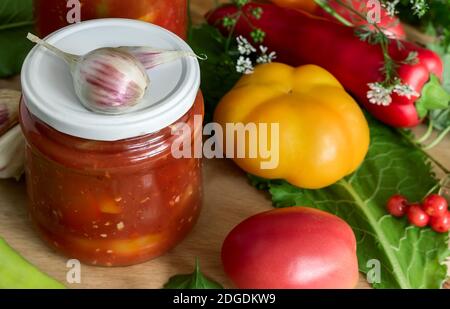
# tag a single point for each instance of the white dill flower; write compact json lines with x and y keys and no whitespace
{"x":244,"y":46}
{"x":405,"y":90}
{"x":244,"y":65}
{"x":391,"y":7}
{"x":419,"y":7}
{"x":263,"y":49}
{"x":264,"y":57}
{"x":379,"y":95}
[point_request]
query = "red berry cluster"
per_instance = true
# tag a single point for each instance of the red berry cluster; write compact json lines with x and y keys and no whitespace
{"x":433,"y":211}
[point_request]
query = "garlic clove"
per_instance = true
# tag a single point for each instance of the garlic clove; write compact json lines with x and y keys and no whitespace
{"x":151,"y":57}
{"x":9,"y":109}
{"x":109,"y":80}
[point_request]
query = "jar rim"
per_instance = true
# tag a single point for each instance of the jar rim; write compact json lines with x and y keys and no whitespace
{"x":52,"y":99}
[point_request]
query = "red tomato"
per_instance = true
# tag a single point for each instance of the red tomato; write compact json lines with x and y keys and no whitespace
{"x":417,"y":216}
{"x":397,"y":205}
{"x":291,"y":248}
{"x":441,"y":224}
{"x":435,"y":205}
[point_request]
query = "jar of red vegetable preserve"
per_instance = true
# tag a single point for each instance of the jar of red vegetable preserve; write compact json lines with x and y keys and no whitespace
{"x":52,"y":15}
{"x":108,"y":190}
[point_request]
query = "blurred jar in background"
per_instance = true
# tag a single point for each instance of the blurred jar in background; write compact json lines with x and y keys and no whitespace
{"x":51,"y":15}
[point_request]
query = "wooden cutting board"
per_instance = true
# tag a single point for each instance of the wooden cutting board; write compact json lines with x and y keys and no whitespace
{"x":229,"y":199}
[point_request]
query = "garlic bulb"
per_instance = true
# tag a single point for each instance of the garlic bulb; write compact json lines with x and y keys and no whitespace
{"x":9,"y":109}
{"x":106,"y":80}
{"x":12,"y":142}
{"x":12,"y":153}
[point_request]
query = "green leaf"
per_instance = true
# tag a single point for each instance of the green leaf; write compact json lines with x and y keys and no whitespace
{"x":410,"y":257}
{"x":438,"y":14}
{"x":441,"y":117}
{"x":257,"y":12}
{"x":16,"y":20}
{"x":240,"y":3}
{"x":434,"y":97}
{"x":196,"y":280}
{"x":218,"y":73}
{"x":258,"y":35}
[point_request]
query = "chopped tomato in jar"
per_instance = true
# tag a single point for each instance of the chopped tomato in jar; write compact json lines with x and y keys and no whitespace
{"x":52,"y":15}
{"x":111,"y":203}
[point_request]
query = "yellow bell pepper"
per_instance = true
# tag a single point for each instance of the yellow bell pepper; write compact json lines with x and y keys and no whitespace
{"x":323,"y":134}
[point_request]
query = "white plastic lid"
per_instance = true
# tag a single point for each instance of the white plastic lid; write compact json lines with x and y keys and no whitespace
{"x":49,"y":94}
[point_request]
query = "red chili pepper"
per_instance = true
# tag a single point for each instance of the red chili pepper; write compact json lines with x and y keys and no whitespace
{"x":390,"y":25}
{"x":300,"y":38}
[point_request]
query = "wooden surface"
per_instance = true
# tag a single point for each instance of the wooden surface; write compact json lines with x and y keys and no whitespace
{"x":229,"y":199}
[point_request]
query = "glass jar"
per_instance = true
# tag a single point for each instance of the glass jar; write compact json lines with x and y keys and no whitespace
{"x":109,"y":190}
{"x":111,"y":203}
{"x":51,"y":15}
